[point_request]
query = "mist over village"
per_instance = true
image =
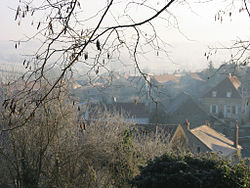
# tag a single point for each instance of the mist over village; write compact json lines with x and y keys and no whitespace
{"x":125,"y":93}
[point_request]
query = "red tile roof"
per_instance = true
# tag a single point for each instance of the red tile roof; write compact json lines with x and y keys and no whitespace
{"x":196,"y":76}
{"x":235,"y":81}
{"x":166,"y":78}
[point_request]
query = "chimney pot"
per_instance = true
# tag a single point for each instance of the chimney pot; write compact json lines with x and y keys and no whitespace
{"x":236,"y":135}
{"x":207,"y":123}
{"x":187,"y":124}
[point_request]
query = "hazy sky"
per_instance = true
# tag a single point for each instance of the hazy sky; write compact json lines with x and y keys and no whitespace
{"x":196,"y":23}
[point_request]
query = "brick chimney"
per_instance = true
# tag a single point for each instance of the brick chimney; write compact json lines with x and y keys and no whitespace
{"x":236,"y":135}
{"x":187,"y":124}
{"x":207,"y":123}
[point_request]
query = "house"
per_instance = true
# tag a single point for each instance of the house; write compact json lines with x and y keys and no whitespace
{"x":167,"y":79}
{"x":131,"y":111}
{"x":205,"y":139}
{"x":192,"y":83}
{"x":225,"y":99}
{"x":174,"y":134}
{"x":183,"y":107}
{"x":168,"y":84}
{"x":201,"y":139}
{"x":246,"y":90}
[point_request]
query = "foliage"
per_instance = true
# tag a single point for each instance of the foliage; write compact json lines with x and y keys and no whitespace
{"x":57,"y":149}
{"x":207,"y":170}
{"x":33,"y":152}
{"x":125,"y":165}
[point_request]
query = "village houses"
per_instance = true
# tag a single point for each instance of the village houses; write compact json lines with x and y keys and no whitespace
{"x":225,"y":100}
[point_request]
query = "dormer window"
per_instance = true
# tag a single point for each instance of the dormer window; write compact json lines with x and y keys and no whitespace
{"x":229,"y":94}
{"x":214,"y":94}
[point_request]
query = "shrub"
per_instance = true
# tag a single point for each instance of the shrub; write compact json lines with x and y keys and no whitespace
{"x":55,"y":149}
{"x":207,"y":170}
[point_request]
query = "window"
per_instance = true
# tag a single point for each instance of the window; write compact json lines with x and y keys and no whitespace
{"x":229,"y":94}
{"x":214,"y":94}
{"x":228,"y":109}
{"x":198,"y":149}
{"x":235,"y":109}
{"x":214,"y":109}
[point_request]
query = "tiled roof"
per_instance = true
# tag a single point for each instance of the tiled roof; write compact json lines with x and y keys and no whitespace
{"x":137,"y":110}
{"x":235,"y":81}
{"x":178,"y":102}
{"x":129,"y":110}
{"x":169,"y":129}
{"x":230,"y":83}
{"x":196,"y":76}
{"x":215,"y":141}
{"x":183,"y":107}
{"x":167,"y":78}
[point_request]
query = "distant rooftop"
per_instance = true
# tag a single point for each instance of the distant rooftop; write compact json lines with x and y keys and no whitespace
{"x":230,"y":83}
{"x":166,"y":78}
{"x":235,"y":81}
{"x":137,"y":110}
{"x":215,"y":141}
{"x":196,"y":76}
{"x":169,"y":129}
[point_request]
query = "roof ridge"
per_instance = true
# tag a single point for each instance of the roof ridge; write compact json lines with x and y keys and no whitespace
{"x":225,"y":142}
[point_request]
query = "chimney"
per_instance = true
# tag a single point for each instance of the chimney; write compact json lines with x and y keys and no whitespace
{"x":187,"y":124}
{"x":236,"y":135}
{"x":207,"y":123}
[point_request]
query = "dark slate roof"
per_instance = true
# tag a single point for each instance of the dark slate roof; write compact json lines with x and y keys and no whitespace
{"x":177,"y":102}
{"x":136,"y":80}
{"x":169,"y":129}
{"x":129,"y":110}
{"x":230,"y":83}
{"x":136,"y":110}
{"x":183,"y":107}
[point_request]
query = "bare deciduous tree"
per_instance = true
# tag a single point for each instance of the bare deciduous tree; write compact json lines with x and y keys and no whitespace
{"x":52,"y":150}
{"x":74,"y":34}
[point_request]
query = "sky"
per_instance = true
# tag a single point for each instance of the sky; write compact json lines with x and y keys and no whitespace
{"x":197,"y":30}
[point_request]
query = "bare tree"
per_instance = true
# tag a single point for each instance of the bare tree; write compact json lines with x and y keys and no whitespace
{"x":74,"y":34}
{"x":240,"y":48}
{"x":54,"y":149}
{"x":71,"y":38}
{"x":29,"y":154}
